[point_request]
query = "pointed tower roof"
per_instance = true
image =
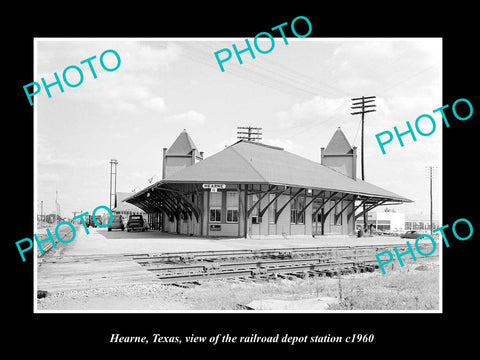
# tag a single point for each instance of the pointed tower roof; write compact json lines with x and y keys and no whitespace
{"x":183,"y":145}
{"x":338,"y":144}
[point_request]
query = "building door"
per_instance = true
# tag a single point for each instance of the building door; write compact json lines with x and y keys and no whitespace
{"x":317,"y":218}
{"x":335,"y":218}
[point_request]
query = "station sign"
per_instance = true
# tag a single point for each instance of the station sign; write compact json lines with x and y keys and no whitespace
{"x":214,"y":187}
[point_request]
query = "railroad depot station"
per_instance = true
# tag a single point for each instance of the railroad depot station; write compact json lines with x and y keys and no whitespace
{"x":251,"y":189}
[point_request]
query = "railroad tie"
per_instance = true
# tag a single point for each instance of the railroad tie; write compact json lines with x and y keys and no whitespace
{"x":259,"y":271}
{"x":211,"y":267}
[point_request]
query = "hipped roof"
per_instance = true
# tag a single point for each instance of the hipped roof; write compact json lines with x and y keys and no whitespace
{"x":182,"y":146}
{"x":254,"y":163}
{"x":338,"y":144}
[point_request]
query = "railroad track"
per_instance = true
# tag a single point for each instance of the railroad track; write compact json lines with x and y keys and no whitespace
{"x":235,"y":271}
{"x":191,"y":266}
{"x":47,"y":246}
{"x":254,"y":253}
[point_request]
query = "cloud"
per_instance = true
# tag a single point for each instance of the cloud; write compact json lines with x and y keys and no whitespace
{"x":54,"y":56}
{"x":156,"y":104}
{"x":318,"y":109}
{"x":225,"y":143}
{"x":318,"y":106}
{"x":287,"y":145}
{"x":48,"y":177}
{"x":121,"y":106}
{"x":132,"y":99}
{"x":150,"y":55}
{"x":136,"y":84}
{"x":46,"y":155}
{"x":284,"y":120}
{"x":190,"y":117}
{"x":380,"y":65}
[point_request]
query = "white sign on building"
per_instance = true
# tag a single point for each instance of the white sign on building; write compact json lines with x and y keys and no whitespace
{"x":214,"y":187}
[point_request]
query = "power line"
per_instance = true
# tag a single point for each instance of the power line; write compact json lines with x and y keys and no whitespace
{"x":266,"y":73}
{"x":358,"y":128}
{"x":314,"y":123}
{"x":269,"y":73}
{"x":247,"y":74}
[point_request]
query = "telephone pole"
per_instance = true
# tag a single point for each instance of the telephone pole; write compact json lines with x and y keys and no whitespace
{"x":249,"y":133}
{"x":77,"y":212}
{"x":360,"y":103}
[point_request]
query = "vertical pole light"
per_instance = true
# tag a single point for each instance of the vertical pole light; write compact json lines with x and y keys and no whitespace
{"x":431,"y":201}
{"x":361,"y":104}
{"x":56,"y":206}
{"x":431,"y":175}
{"x":113,"y":191}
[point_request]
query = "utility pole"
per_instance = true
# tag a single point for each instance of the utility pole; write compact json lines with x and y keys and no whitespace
{"x":251,"y":134}
{"x":360,"y":103}
{"x":431,"y":174}
{"x":76,"y":212}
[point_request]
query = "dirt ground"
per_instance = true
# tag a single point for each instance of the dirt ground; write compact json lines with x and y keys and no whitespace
{"x":413,"y":287}
{"x":92,"y":273}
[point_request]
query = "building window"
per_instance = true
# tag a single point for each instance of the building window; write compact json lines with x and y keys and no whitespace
{"x":272,"y":209}
{"x":296,"y":206}
{"x":254,"y":214}
{"x":383,"y":225}
{"x":232,"y":206}
{"x":300,"y":205}
{"x":215,"y":206}
{"x":335,"y":219}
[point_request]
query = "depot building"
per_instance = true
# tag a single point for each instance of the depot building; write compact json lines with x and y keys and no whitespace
{"x":252,"y":189}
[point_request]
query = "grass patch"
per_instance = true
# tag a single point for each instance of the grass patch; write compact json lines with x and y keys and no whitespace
{"x":406,"y":289}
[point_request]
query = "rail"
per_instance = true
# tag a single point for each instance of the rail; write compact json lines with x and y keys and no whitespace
{"x":191,"y":266}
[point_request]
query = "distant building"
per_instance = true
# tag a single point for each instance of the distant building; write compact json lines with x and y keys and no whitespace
{"x":420,"y":222}
{"x":394,"y":221}
{"x":385,"y":221}
{"x":125,"y":208}
{"x":52,"y":218}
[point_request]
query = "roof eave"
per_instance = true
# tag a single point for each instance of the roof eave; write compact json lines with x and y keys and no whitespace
{"x":166,"y":181}
{"x":144,"y":190}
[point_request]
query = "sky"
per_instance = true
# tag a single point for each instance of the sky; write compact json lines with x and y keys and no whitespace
{"x":299,"y":94}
